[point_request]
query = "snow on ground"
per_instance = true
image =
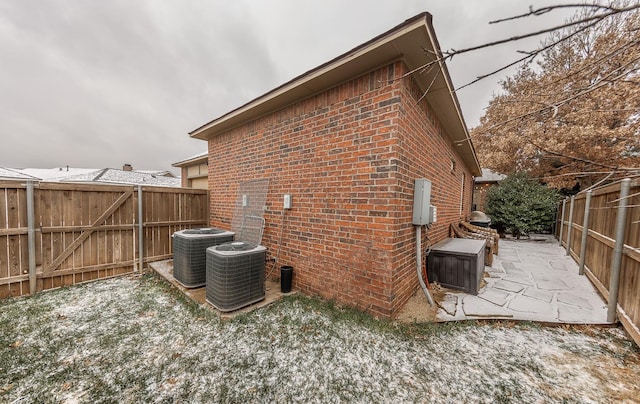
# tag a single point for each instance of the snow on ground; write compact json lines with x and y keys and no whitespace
{"x":135,"y":340}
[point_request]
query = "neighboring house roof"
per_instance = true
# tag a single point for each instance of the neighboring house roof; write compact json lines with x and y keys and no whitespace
{"x":93,"y":175}
{"x":56,"y":173}
{"x":156,"y":172}
{"x":413,"y":42}
{"x":13,"y":174}
{"x":489,"y":176}
{"x":198,"y":158}
{"x":115,"y":176}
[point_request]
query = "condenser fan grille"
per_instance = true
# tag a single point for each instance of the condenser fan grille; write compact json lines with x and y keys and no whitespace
{"x":208,"y":230}
{"x":236,"y":246}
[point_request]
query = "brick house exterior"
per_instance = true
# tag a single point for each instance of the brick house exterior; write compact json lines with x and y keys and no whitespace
{"x":194,"y":171}
{"x":347,"y":140}
{"x":482,"y":184}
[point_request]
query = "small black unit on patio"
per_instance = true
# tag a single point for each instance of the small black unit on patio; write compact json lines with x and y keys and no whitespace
{"x":457,"y":264}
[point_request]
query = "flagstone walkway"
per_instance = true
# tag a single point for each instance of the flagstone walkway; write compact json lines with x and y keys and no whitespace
{"x":529,"y":280}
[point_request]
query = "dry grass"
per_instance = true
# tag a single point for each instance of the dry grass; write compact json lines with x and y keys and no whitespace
{"x":136,"y":340}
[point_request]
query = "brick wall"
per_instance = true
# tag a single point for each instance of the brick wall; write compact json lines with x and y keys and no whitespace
{"x":348,"y":157}
{"x":425,"y":152}
{"x":480,"y":194}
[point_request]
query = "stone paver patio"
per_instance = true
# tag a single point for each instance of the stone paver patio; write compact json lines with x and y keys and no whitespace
{"x":529,"y":280}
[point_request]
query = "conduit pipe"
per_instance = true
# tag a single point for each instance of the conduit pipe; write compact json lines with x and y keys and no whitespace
{"x":419,"y":263}
{"x":277,"y":257}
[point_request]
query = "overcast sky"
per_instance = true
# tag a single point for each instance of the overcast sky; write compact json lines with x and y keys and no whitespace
{"x":101,"y":83}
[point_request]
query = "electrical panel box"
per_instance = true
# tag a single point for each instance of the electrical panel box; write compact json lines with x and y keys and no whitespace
{"x":422,"y":209}
{"x":287,"y":201}
{"x":245,"y":201}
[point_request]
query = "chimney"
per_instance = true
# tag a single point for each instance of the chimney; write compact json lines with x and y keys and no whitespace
{"x":127,"y":167}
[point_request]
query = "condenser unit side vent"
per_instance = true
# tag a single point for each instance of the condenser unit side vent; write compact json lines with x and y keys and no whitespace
{"x":235,"y":275}
{"x":189,"y":253}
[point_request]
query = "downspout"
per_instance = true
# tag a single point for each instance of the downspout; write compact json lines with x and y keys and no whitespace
{"x":419,"y":264}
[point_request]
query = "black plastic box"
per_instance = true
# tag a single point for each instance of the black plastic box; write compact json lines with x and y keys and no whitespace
{"x":457,"y":263}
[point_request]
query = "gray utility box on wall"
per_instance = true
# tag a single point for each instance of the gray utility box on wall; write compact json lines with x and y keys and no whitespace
{"x":422,"y":212}
{"x":457,"y":263}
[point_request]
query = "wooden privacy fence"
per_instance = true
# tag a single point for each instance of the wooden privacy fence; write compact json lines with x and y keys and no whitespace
{"x":608,"y":251}
{"x":54,"y":234}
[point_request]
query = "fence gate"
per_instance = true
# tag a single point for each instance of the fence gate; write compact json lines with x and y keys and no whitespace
{"x":85,"y":232}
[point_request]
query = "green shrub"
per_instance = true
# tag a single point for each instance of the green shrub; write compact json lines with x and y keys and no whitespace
{"x":521,"y":205}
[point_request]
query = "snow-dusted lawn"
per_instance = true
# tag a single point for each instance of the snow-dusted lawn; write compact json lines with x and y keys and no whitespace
{"x":136,"y":340}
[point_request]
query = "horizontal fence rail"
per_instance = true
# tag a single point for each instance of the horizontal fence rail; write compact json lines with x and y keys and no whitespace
{"x":601,"y":231}
{"x":54,"y":234}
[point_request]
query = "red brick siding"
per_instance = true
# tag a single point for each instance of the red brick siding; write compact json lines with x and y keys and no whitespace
{"x":480,"y":191}
{"x":426,"y":152}
{"x":348,"y":157}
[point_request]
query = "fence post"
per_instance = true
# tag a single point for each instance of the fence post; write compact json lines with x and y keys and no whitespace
{"x":616,"y":261}
{"x":585,"y":231}
{"x":564,"y":203}
{"x":140,"y":231}
{"x":31,"y":238}
{"x":570,"y":225}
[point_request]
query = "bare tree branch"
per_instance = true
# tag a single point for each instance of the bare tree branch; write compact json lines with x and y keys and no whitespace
{"x":545,"y":10}
{"x":598,"y":17}
{"x":601,"y":83}
{"x":601,"y":181}
{"x":595,"y":163}
{"x":530,"y":55}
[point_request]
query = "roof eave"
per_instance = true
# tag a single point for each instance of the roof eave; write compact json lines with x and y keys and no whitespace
{"x":193,"y":160}
{"x":402,"y":42}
